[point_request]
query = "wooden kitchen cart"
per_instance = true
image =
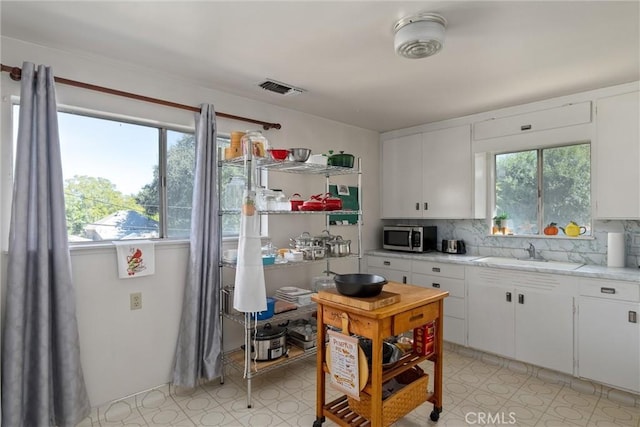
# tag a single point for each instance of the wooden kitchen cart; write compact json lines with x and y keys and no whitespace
{"x":417,"y":306}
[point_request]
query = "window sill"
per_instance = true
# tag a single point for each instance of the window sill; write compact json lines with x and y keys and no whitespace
{"x":541,"y":236}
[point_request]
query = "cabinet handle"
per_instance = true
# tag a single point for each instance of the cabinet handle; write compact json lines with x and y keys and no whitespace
{"x":508,"y":296}
{"x":633,"y":317}
{"x":608,"y":290}
{"x":404,"y":279}
{"x":435,"y":269}
{"x":417,"y":206}
{"x":387,"y":262}
{"x":435,"y":285}
{"x":416,"y":317}
{"x":426,"y":206}
{"x":525,"y":127}
{"x":520,"y":299}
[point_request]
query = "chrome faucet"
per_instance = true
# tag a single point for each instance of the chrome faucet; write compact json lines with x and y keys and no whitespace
{"x":532,"y":251}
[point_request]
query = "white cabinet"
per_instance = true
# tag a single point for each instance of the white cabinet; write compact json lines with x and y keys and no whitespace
{"x":450,"y":278}
{"x":392,"y":269}
{"x":521,"y":315}
{"x":402,"y":177}
{"x":609,"y":333}
{"x":565,"y":115}
{"x":617,"y":156}
{"x":447,"y":190}
{"x":428,"y":175}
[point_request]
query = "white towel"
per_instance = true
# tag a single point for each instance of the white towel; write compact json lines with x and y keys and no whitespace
{"x":250,"y":293}
{"x":135,"y":258}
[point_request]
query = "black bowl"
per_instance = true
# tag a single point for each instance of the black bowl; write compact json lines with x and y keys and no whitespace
{"x":359,"y":284}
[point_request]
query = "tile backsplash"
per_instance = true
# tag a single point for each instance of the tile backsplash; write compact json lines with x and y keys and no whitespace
{"x":587,"y":250}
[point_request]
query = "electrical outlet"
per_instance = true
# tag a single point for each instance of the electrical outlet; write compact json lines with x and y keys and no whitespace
{"x":135,"y":300}
{"x":635,"y":240}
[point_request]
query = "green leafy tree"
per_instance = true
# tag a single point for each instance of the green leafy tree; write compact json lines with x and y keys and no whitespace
{"x":180,"y":177}
{"x":180,"y":169}
{"x":88,"y":199}
{"x":566,"y":186}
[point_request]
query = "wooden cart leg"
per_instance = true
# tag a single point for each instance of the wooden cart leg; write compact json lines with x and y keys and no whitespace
{"x":320,"y":376}
{"x":437,"y":368}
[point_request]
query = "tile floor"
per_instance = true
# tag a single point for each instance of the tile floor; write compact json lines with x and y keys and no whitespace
{"x":482,"y":391}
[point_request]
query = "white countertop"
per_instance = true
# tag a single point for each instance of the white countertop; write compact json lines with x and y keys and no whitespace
{"x":593,"y":271}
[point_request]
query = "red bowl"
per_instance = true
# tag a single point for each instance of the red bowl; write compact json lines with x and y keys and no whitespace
{"x":279,"y":154}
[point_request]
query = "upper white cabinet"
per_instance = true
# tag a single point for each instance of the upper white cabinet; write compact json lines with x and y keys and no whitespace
{"x":428,"y":175}
{"x":617,"y":157}
{"x":566,"y":115}
{"x":402,"y":177}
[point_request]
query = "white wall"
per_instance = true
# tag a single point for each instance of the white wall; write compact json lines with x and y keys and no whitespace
{"x":125,"y":351}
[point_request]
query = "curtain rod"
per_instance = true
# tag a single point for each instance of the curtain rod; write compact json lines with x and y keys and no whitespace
{"x":15,"y":73}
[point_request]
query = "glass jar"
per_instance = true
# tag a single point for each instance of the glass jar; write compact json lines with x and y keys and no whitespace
{"x":258,"y":143}
{"x":232,"y":193}
{"x":281,"y":201}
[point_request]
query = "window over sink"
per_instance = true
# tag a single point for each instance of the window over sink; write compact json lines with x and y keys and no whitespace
{"x":538,"y":187}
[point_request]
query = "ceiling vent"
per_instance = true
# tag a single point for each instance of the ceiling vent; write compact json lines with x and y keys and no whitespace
{"x":279,"y":87}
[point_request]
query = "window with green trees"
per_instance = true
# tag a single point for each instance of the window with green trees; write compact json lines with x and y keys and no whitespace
{"x":126,"y":180}
{"x":534,"y":188}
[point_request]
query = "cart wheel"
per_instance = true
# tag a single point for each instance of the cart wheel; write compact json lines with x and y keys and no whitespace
{"x":435,"y":416}
{"x":317,"y":423}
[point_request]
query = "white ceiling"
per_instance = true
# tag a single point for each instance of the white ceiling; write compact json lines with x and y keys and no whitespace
{"x":496,"y":54}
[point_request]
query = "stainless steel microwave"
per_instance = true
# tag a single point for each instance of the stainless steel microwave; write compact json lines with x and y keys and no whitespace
{"x":410,"y":238}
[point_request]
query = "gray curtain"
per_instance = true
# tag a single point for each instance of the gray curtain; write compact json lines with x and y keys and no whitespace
{"x":42,"y":380}
{"x":199,"y":347}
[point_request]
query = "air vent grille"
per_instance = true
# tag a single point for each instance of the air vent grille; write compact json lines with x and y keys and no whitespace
{"x":279,"y":87}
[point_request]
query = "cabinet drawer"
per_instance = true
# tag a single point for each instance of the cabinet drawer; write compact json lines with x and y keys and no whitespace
{"x":412,"y":319}
{"x":454,"y":330}
{"x":454,"y":307}
{"x":389,"y":274}
{"x":455,"y":287}
{"x":391,"y":263}
{"x":358,"y":325}
{"x":438,"y":269}
{"x":567,"y":115}
{"x":612,"y":289}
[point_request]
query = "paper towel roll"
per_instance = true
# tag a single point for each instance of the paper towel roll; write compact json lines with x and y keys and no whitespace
{"x":615,"y":251}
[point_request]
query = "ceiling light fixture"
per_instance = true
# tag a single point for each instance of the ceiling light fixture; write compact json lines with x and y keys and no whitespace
{"x":419,"y":36}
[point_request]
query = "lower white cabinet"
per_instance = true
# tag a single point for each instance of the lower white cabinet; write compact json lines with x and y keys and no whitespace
{"x":609,"y":333}
{"x":523,"y":316}
{"x":392,"y":269}
{"x":450,"y":278}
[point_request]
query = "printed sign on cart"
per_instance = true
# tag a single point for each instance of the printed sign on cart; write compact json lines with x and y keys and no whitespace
{"x":344,"y":363}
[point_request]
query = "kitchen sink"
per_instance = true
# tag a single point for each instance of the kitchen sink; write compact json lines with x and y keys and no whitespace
{"x":528,"y":262}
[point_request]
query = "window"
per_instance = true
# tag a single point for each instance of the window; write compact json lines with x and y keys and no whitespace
{"x":537,"y":187}
{"x":125,"y":180}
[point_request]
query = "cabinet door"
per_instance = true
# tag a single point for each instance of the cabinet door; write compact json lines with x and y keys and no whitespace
{"x":609,"y":343}
{"x":446,"y":173}
{"x":544,"y":329}
{"x":617,"y":151}
{"x":402,"y":177}
{"x":491,"y":319}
